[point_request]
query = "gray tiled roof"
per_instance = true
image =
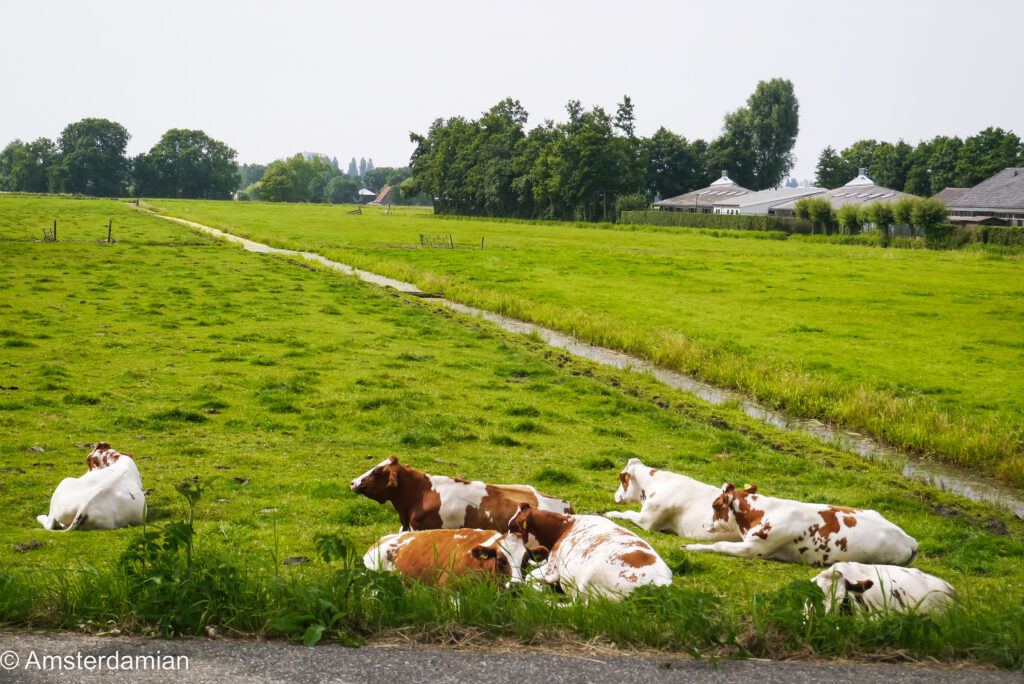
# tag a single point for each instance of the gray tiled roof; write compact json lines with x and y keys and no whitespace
{"x":1003,"y":191}
{"x":950,"y":195}
{"x":704,"y":197}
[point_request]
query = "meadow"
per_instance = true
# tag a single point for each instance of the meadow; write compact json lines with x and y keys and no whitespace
{"x":269,"y":384}
{"x":919,"y":347}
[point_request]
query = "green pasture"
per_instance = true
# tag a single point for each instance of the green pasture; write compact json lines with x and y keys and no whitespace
{"x":276,"y":383}
{"x":922,"y":347}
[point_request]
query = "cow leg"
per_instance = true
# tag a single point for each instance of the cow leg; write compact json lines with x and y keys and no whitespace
{"x":635,"y":517}
{"x":47,"y":522}
{"x":743,"y":549}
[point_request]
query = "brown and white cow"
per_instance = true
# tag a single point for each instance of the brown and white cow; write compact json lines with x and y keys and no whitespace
{"x":436,"y":556}
{"x":106,"y":497}
{"x":428,"y":502}
{"x":670,"y":503}
{"x":798,"y":532}
{"x":883,"y":587}
{"x":589,"y":555}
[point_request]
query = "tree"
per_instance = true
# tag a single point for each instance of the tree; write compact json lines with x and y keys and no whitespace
{"x":928,"y":213}
{"x":92,"y":159}
{"x":250,"y":173}
{"x":756,"y":146}
{"x":942,"y":164}
{"x":817,"y":210}
{"x":672,"y":165}
{"x":353,"y":169}
{"x":369,"y":165}
{"x":25,"y":167}
{"x":880,"y":214}
{"x":849,"y":219}
{"x":278,"y":184}
{"x":986,"y":154}
{"x":187,"y":164}
{"x":903,"y":210}
{"x":890,"y":165}
{"x":362,"y":167}
{"x":342,"y":190}
{"x":832,"y":170}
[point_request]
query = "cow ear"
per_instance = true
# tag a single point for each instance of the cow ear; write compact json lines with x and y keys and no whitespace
{"x":484,"y":552}
{"x":728,"y":487}
{"x":524,"y":507}
{"x":750,"y":488}
{"x":538,"y":553}
{"x":393,"y":459}
{"x":393,"y":477}
{"x":858,"y":587}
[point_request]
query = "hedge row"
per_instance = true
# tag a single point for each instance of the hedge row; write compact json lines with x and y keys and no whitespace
{"x":717,"y":221}
{"x":948,"y":236}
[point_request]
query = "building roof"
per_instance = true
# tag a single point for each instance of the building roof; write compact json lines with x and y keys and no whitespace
{"x":1003,"y":191}
{"x":776,"y":195}
{"x":382,"y":195}
{"x":705,"y":197}
{"x":950,"y":195}
{"x":861,"y":190}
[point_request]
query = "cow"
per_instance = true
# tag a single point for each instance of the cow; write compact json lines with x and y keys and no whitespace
{"x":669,"y":503}
{"x":883,"y":587}
{"x":437,"y":556}
{"x":106,"y":497}
{"x":589,"y":555}
{"x":428,"y":502}
{"x":798,"y":532}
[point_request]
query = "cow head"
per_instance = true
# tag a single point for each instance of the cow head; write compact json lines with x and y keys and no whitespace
{"x":840,"y":590}
{"x":103,"y":456}
{"x":520,"y":522}
{"x":629,"y":491}
{"x":380,"y":482}
{"x":508,"y":556}
{"x":731,"y":501}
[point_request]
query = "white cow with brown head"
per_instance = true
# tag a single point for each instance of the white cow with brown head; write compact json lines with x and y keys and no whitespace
{"x":810,"y":533}
{"x":108,"y":496}
{"x":859,"y":586}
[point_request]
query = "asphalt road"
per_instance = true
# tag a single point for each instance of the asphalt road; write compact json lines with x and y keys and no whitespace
{"x":64,"y":658}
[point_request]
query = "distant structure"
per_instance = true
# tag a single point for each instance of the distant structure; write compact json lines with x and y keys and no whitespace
{"x":702,"y":201}
{"x":763,"y":203}
{"x":366,"y":195}
{"x":999,"y":197}
{"x":861,"y":191}
{"x":384,"y":197}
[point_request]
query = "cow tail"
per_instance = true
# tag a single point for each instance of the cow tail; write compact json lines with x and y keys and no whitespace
{"x":913,"y":555}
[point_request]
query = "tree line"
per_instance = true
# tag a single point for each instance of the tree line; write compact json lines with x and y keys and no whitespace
{"x":583,"y":168}
{"x":928,"y":167}
{"x":316,"y":178}
{"x":915,"y":212}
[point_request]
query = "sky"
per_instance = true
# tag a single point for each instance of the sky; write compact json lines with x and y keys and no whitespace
{"x":272,"y":79}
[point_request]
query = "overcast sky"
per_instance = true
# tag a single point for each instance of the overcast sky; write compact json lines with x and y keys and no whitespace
{"x":353,"y":79}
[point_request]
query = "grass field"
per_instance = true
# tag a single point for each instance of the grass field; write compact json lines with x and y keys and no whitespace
{"x":275,"y":384}
{"x":921,"y":347}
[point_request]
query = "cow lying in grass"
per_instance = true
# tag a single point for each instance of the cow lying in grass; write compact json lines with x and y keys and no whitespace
{"x":436,"y":556}
{"x":798,"y":532}
{"x":107,"y":497}
{"x":883,"y":587}
{"x":589,"y":555}
{"x":669,"y":503}
{"x":428,"y":502}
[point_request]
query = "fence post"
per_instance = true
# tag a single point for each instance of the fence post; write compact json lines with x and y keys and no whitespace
{"x":481,"y":242}
{"x":110,"y":224}
{"x":54,"y":230}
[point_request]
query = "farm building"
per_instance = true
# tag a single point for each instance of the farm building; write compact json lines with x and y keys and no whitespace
{"x":763,"y":202}
{"x":1001,"y":197}
{"x":861,"y":191}
{"x":384,"y":196}
{"x":702,"y":201}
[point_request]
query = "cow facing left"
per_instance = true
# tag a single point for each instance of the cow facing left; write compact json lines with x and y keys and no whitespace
{"x":429,"y":502}
{"x":108,"y":496}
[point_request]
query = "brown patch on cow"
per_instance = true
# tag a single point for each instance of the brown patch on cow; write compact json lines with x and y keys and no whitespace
{"x":858,"y":587}
{"x":844,"y":509}
{"x":742,"y":505}
{"x":624,"y":479}
{"x":850,"y":521}
{"x":763,"y":532}
{"x":801,"y":550}
{"x":653,"y":470}
{"x":437,"y":556}
{"x":546,"y":526}
{"x":830,"y":525}
{"x":841,"y":543}
{"x":497,"y":506}
{"x":638,"y":559}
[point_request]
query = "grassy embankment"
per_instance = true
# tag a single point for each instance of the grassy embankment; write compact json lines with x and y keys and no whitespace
{"x":276,"y":384}
{"x":922,"y":348}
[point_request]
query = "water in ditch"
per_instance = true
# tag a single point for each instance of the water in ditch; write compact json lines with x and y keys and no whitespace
{"x":973,"y":485}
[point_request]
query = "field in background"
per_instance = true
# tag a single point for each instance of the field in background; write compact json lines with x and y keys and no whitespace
{"x":276,"y":384}
{"x":921,"y":347}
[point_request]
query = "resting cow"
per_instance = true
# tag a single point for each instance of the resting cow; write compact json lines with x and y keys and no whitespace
{"x":107,"y":497}
{"x":590,"y":555}
{"x":428,"y":502}
{"x":435,"y":556}
{"x":883,"y":587}
{"x":798,"y":532}
{"x":669,"y":503}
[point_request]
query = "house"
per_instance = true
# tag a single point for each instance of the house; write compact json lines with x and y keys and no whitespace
{"x":762,"y":203}
{"x":384,"y":196}
{"x":860,"y":191}
{"x":365,"y":195}
{"x":1001,"y":197}
{"x":702,"y":201}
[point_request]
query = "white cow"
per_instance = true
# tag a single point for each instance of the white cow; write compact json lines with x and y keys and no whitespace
{"x":798,"y":532}
{"x":670,"y":503}
{"x":883,"y":587}
{"x":107,"y":497}
{"x":589,"y":555}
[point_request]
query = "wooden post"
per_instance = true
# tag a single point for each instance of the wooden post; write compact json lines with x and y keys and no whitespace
{"x":481,"y":242}
{"x":54,"y":230}
{"x":110,"y":224}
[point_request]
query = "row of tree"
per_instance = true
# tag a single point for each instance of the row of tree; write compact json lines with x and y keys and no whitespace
{"x":89,"y":158}
{"x":579,"y":168}
{"x":315,"y":178}
{"x":849,"y":219}
{"x":927,"y":168}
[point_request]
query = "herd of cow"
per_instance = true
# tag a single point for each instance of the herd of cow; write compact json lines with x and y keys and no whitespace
{"x":453,"y":527}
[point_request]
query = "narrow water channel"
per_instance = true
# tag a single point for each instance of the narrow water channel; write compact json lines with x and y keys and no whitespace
{"x":970,"y":484}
